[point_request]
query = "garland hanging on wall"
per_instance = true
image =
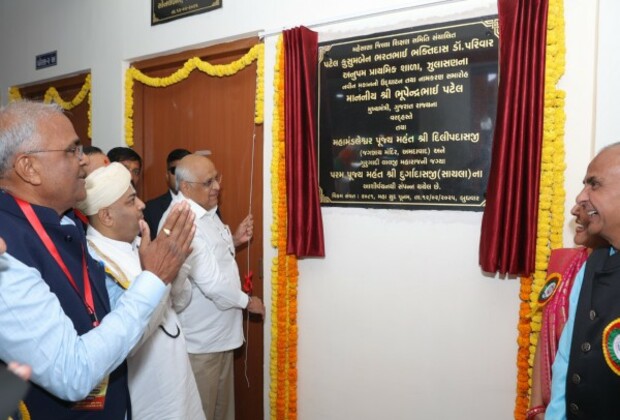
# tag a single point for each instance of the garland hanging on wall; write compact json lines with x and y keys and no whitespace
{"x":284,"y":272}
{"x":52,"y":95}
{"x":256,"y":53}
{"x":551,"y":203}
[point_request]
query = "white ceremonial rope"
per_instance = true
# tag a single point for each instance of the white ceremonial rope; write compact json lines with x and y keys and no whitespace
{"x":247,"y":328}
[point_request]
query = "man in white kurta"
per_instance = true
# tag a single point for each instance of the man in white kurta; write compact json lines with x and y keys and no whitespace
{"x":212,"y":322}
{"x":161,"y":382}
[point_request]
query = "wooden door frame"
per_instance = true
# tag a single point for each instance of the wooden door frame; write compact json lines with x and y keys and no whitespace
{"x":216,"y":54}
{"x":36,"y":91}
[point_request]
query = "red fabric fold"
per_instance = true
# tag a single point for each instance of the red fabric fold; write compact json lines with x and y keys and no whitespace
{"x":567,"y":262}
{"x":508,"y":232}
{"x":305,"y":224}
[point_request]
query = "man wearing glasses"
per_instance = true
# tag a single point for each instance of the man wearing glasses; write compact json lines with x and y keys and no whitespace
{"x":54,"y":307}
{"x":212,"y":322}
{"x":156,"y":207}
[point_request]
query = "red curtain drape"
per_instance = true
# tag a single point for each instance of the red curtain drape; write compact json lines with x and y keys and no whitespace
{"x":305,"y":224}
{"x":508,"y":233}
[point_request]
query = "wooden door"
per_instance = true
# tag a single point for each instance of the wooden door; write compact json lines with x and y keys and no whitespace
{"x":215,"y":114}
{"x":68,"y":88}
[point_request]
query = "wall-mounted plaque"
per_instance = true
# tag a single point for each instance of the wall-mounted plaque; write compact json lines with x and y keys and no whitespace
{"x":406,"y":118}
{"x":163,"y":11}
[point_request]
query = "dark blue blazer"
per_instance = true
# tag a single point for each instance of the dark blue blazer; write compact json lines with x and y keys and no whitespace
{"x":592,"y":386}
{"x":24,"y":244}
{"x":154,"y":210}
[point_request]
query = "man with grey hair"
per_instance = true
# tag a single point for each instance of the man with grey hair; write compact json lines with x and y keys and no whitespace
{"x":212,"y":322}
{"x":156,"y":207}
{"x":54,"y":308}
{"x":586,"y":371}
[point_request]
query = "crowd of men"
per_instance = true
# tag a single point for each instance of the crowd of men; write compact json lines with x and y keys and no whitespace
{"x":110,"y":320}
{"x":114,"y":317}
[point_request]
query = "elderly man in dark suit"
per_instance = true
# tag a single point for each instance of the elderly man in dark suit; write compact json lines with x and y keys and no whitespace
{"x":55,"y":309}
{"x":156,"y":207}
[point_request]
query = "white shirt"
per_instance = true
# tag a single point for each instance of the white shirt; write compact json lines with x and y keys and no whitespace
{"x":213,"y":320}
{"x":161,"y":381}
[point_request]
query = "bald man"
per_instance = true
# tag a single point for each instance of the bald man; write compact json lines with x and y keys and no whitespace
{"x":212,"y":322}
{"x":156,"y":207}
{"x":586,"y":370}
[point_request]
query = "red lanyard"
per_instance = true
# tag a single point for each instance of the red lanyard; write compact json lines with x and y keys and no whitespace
{"x":47,"y":241}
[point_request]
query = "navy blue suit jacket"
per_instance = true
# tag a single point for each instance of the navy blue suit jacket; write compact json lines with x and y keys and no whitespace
{"x":154,"y":210}
{"x":70,"y":240}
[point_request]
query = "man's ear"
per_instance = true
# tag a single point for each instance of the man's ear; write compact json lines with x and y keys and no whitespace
{"x":28,"y":169}
{"x":104,"y":217}
{"x":183,"y":187}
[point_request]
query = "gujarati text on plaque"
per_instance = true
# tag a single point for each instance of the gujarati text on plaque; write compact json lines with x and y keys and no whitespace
{"x":406,"y":117}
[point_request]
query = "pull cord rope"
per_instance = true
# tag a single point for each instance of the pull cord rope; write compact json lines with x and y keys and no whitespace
{"x":248,"y":271}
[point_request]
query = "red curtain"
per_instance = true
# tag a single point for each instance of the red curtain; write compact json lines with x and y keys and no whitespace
{"x":508,"y":234}
{"x":305,"y":224}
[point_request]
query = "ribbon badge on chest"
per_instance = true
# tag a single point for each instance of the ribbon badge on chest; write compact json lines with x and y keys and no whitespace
{"x":611,"y":345}
{"x":549,"y":288}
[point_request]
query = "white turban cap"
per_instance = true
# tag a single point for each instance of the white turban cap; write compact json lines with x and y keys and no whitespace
{"x":104,"y":186}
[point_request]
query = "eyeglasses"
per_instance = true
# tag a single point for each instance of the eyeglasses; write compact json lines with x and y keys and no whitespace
{"x":209,"y":182}
{"x":172,"y":169}
{"x":75,"y":150}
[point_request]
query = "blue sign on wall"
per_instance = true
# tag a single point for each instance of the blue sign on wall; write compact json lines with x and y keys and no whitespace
{"x":46,"y":60}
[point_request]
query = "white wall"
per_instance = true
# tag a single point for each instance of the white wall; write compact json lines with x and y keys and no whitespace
{"x":397,"y":322}
{"x":579,"y":82}
{"x":608,"y":100}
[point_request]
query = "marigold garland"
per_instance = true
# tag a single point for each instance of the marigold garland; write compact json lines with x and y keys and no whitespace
{"x":52,"y":95}
{"x":14,"y":94}
{"x":551,"y":203}
{"x":284,"y":274}
{"x":523,"y":354}
{"x":256,"y":53}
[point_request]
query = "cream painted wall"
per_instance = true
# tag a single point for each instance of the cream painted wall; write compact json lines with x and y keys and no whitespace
{"x":397,"y":322}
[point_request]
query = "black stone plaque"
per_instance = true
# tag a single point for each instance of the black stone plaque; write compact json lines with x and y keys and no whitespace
{"x":163,"y":11}
{"x":406,"y":118}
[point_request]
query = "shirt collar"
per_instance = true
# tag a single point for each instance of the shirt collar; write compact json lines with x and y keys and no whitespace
{"x":66,"y":220}
{"x":198,"y":210}
{"x":120,"y":245}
